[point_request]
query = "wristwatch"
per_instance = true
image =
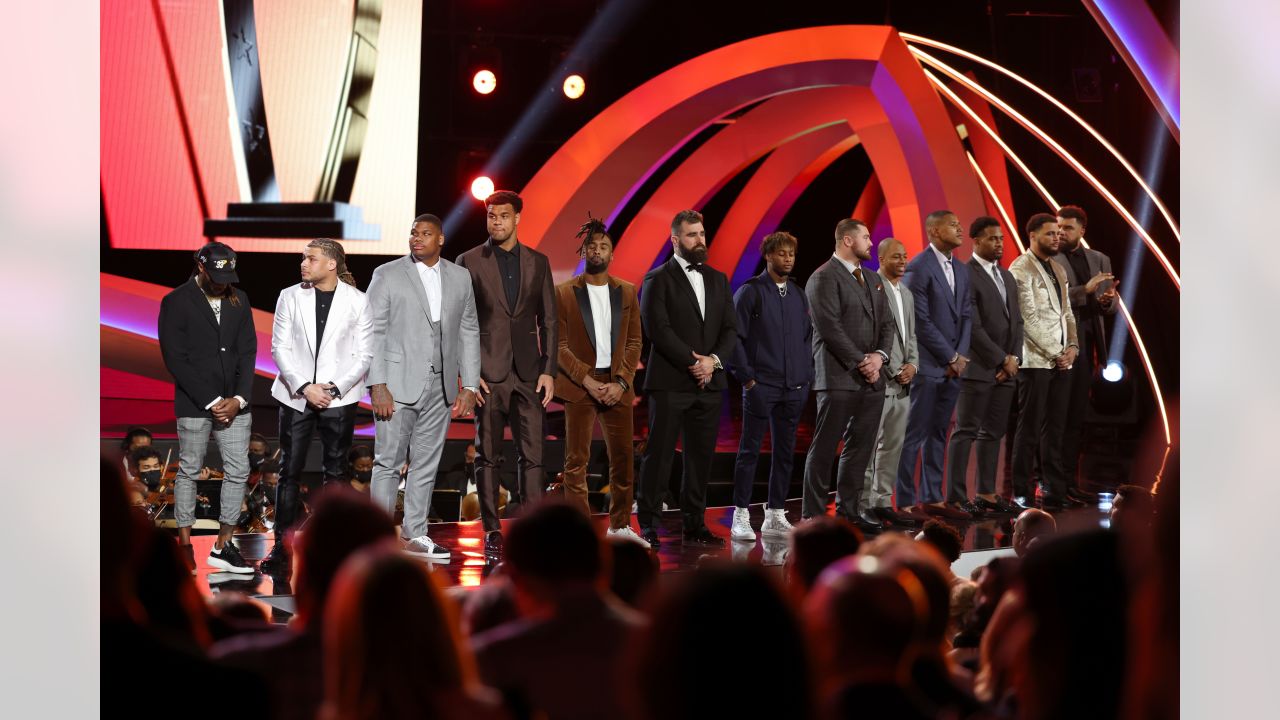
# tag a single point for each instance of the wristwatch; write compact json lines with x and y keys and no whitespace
{"x":718,"y":366}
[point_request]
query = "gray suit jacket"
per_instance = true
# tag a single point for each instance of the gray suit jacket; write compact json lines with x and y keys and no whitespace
{"x":401,"y":326}
{"x":1098,"y":262}
{"x":904,"y":348}
{"x":848,"y":323}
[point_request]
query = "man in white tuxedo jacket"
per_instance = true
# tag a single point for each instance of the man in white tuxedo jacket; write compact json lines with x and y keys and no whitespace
{"x":426,"y":337}
{"x":321,"y":343}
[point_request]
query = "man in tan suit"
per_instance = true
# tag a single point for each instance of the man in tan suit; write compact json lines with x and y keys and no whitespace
{"x":1048,"y":352}
{"x":515,"y":300}
{"x":599,"y":348}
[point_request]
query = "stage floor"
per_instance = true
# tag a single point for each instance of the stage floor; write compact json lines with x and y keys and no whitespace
{"x":467,"y":567}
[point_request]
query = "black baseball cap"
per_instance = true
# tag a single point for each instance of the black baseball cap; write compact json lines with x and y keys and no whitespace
{"x":219,"y":261}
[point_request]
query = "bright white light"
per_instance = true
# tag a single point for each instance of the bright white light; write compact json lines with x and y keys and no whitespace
{"x":481,"y":187}
{"x":574,"y":86}
{"x":1113,"y":372}
{"x":485,"y":82}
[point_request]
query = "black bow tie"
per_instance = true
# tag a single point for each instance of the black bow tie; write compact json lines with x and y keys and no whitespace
{"x":693,"y":267}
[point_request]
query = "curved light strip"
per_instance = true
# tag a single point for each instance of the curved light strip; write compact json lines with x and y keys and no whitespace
{"x":925,"y":57}
{"x":1075,"y":164}
{"x":1133,"y":327}
{"x":1004,"y":215}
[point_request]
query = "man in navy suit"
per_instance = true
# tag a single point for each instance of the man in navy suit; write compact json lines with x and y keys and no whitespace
{"x":774,"y":363}
{"x":940,"y":289}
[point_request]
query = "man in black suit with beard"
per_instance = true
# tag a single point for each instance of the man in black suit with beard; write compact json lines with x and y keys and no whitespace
{"x":853,"y":333}
{"x":687,"y":313}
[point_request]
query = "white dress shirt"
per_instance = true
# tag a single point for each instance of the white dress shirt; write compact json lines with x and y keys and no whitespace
{"x":430,"y":275}
{"x":601,"y":316}
{"x":894,"y":290}
{"x":947,"y":268}
{"x":698,"y":283}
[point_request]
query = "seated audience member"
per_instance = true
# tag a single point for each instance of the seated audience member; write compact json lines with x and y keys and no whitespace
{"x":947,"y":541}
{"x":1133,"y":505}
{"x":392,"y":649}
{"x":289,"y":659}
{"x":569,"y":624}
{"x":862,"y":625}
{"x":633,"y":572}
{"x":815,"y":544}
{"x":360,"y":468}
{"x":1032,"y":527}
{"x":943,"y":687}
{"x":490,"y":605}
{"x":993,"y":580}
{"x":684,"y":673}
{"x":128,"y":643}
{"x":1076,"y":629}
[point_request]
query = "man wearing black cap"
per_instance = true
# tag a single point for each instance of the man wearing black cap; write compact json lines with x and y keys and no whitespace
{"x":208,"y":343}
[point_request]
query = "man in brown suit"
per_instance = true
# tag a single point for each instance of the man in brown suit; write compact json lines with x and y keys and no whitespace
{"x":599,"y":334}
{"x":515,"y":300}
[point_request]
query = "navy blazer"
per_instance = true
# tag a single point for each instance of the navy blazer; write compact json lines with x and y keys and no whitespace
{"x":775,"y":337}
{"x":943,"y":317}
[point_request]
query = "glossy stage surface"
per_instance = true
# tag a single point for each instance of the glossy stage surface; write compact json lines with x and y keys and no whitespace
{"x":467,"y":567}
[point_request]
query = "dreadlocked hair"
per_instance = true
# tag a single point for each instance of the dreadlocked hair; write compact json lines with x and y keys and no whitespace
{"x":333,"y":250}
{"x":592,"y":227}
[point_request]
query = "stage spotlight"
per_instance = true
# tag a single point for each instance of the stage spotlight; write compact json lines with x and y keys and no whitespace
{"x":481,"y":187}
{"x":574,"y":86}
{"x":1113,"y":372}
{"x":484,"y":82}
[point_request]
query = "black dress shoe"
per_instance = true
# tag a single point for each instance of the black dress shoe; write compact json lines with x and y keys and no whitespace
{"x":888,"y":515}
{"x":651,"y":536}
{"x":968,"y":506}
{"x":870,"y":518}
{"x":493,"y":544}
{"x":276,"y":560}
{"x":989,"y":507}
{"x":868,"y":528}
{"x":1085,"y":497}
{"x":951,"y":512}
{"x":703,"y":536}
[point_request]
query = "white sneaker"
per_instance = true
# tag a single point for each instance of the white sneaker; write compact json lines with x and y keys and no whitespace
{"x":423,"y":548}
{"x":775,"y":553}
{"x":741,"y":529}
{"x":626,"y":533}
{"x":775,"y":524}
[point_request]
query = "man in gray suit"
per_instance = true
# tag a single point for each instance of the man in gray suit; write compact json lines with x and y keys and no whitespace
{"x":986,"y":396}
{"x":876,"y":504}
{"x":853,"y":333}
{"x":1092,"y":289}
{"x":425,"y":337}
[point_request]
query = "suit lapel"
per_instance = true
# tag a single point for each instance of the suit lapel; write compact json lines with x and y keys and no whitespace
{"x":526,"y":279}
{"x":336,"y":313}
{"x":202,"y":305}
{"x":414,"y":278}
{"x":862,"y":292}
{"x":307,"y":311}
{"x":1011,"y":292}
{"x":678,"y":273}
{"x":942,"y":278}
{"x":900,"y":322}
{"x":584,"y":306}
{"x":489,"y":266}
{"x":615,"y":316}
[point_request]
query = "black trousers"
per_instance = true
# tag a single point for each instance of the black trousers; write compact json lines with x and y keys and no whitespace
{"x":982,"y":416}
{"x":518,"y":404}
{"x":693,"y":418}
{"x":1042,"y":415}
{"x":851,"y":415}
{"x":336,"y":426}
{"x":1077,"y":407}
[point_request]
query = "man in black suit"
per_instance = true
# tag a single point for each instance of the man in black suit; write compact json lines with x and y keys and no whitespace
{"x":687,"y":313}
{"x":208,"y":343}
{"x":853,"y":333}
{"x":986,"y":395}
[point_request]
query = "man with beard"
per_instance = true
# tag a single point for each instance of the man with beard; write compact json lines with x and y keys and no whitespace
{"x":515,"y":301}
{"x":853,"y":333}
{"x":208,"y":344}
{"x":774,"y":363}
{"x":425,"y":341}
{"x":1048,"y":351}
{"x":599,"y":348}
{"x":1092,"y":289}
{"x":320,"y":341}
{"x":687,"y":312}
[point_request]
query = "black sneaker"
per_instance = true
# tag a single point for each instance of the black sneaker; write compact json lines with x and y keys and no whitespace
{"x":228,"y":559}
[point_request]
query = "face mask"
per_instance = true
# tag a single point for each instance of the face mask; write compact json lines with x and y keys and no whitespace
{"x":255,"y":460}
{"x":150,"y":477}
{"x":364,"y":476}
